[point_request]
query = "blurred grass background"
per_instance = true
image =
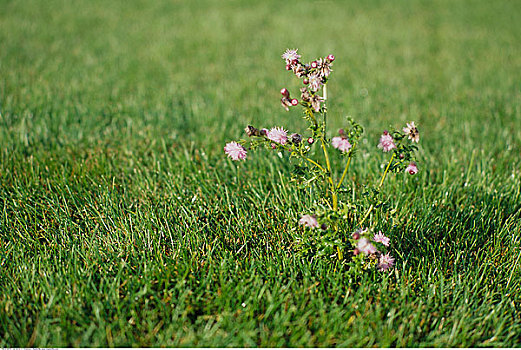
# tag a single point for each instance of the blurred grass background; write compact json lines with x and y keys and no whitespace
{"x":123,"y":224}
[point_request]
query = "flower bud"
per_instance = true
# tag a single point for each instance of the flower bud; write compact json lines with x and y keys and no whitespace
{"x":330,"y":58}
{"x":310,"y":140}
{"x":401,"y":156}
{"x":273,"y":146}
{"x":341,"y":132}
{"x":294,"y":102}
{"x":314,"y":64}
{"x":288,"y":66}
{"x":356,"y":235}
{"x":306,"y":81}
{"x":264,"y":132}
{"x":356,"y":251}
{"x":284,"y":92}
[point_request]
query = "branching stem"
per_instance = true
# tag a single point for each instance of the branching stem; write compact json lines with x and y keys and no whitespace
{"x":378,"y":188}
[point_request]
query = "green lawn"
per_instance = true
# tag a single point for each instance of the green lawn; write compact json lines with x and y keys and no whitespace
{"x":123,"y":223}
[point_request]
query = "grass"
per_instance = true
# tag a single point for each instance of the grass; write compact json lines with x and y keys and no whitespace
{"x":123,"y":224}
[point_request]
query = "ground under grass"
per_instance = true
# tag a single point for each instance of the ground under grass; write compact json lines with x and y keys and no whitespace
{"x":123,"y":224}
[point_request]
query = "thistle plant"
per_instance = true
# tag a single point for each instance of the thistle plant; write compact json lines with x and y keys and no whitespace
{"x":338,"y":225}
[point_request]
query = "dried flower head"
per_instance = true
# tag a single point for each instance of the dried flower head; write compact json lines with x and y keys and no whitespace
{"x":278,"y":135}
{"x":286,"y":103}
{"x":412,"y":131}
{"x":235,"y":151}
{"x":386,"y":142}
{"x":323,"y":67}
{"x":309,"y":221}
{"x":300,"y":70}
{"x":296,"y":138}
{"x":252,"y":131}
{"x":315,"y":82}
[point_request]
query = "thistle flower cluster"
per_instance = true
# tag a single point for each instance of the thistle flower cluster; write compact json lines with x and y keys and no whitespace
{"x":326,"y":224}
{"x":314,"y":75}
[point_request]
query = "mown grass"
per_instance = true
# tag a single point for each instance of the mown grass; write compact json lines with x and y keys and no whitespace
{"x":123,"y":224}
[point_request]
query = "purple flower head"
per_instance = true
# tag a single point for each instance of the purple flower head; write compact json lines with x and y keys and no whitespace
{"x":386,"y":142}
{"x":385,"y":262}
{"x":381,"y":238}
{"x":309,"y":221}
{"x":290,"y":55}
{"x":341,"y":143}
{"x":365,"y":246}
{"x":412,"y":169}
{"x":412,"y":132}
{"x":278,"y":135}
{"x":235,"y":151}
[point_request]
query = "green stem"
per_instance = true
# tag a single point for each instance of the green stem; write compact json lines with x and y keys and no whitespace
{"x":345,"y":170}
{"x":314,"y":163}
{"x":379,"y":185}
{"x":334,"y":196}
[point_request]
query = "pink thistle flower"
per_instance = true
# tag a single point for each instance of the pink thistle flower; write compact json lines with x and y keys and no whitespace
{"x":412,"y":132}
{"x":412,"y":169}
{"x":341,"y":143}
{"x":365,"y":246}
{"x":235,"y":151}
{"x":385,"y":262}
{"x":309,"y":221}
{"x":381,"y":238}
{"x":278,"y":135}
{"x":290,"y":55}
{"x":386,"y":142}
